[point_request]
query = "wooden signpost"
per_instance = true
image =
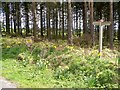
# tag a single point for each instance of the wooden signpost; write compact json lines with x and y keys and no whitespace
{"x":101,"y":24}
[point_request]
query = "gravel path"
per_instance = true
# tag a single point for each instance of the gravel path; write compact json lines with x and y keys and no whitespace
{"x":6,"y":84}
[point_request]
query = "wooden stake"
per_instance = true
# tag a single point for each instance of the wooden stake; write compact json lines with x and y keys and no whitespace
{"x":100,"y":40}
{"x":101,"y":23}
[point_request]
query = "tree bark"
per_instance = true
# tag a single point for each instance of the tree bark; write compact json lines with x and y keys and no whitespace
{"x":44,"y":18}
{"x":41,"y":7}
{"x":27,"y":18}
{"x":85,"y":17}
{"x":69,"y":23}
{"x":11,"y":19}
{"x":56,"y":35}
{"x":91,"y":22}
{"x":48,"y":24}
{"x":53,"y":31}
{"x":119,"y":22}
{"x":18,"y":16}
{"x":14,"y":18}
{"x":76,"y":12}
{"x":111,"y":26}
{"x":63,"y":20}
{"x":7,"y":18}
{"x":34,"y":20}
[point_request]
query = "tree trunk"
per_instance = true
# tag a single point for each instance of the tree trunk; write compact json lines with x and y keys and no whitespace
{"x":111,"y":26}
{"x":91,"y":22}
{"x":14,"y":18}
{"x":7,"y":18}
{"x":79,"y":31}
{"x":44,"y":18}
{"x":119,"y":22}
{"x":48,"y":24}
{"x":63,"y":20}
{"x":53,"y":31}
{"x":56,"y":36}
{"x":18,"y":17}
{"x":41,"y":7}
{"x":59,"y":15}
{"x":0,"y":21}
{"x":34,"y":20}
{"x":76,"y":12}
{"x":85,"y":17}
{"x":11,"y":19}
{"x":26,"y":17}
{"x":69,"y":23}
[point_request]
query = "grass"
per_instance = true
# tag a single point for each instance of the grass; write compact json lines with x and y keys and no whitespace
{"x":21,"y":75}
{"x":46,"y":64}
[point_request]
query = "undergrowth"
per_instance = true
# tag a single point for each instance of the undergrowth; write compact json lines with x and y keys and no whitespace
{"x":47,"y":64}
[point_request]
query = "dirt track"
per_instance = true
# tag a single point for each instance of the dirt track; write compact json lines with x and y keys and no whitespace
{"x":6,"y":84}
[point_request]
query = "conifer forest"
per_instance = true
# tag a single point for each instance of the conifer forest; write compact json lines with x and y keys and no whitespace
{"x":60,"y":43}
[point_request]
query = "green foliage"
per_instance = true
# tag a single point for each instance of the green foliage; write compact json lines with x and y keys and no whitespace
{"x":55,"y":65}
{"x":104,"y":77}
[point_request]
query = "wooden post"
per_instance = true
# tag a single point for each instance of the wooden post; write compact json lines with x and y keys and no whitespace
{"x":100,"y":40}
{"x":100,"y":23}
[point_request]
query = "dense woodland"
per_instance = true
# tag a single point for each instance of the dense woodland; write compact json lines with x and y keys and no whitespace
{"x":55,"y":44}
{"x":72,"y":21}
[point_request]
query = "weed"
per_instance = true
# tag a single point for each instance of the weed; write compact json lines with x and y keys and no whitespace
{"x":53,"y":65}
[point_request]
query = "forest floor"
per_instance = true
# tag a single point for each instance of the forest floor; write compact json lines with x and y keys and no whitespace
{"x":46,"y":65}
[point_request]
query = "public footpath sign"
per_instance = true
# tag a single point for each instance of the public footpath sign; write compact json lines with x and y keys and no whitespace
{"x":101,"y":24}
